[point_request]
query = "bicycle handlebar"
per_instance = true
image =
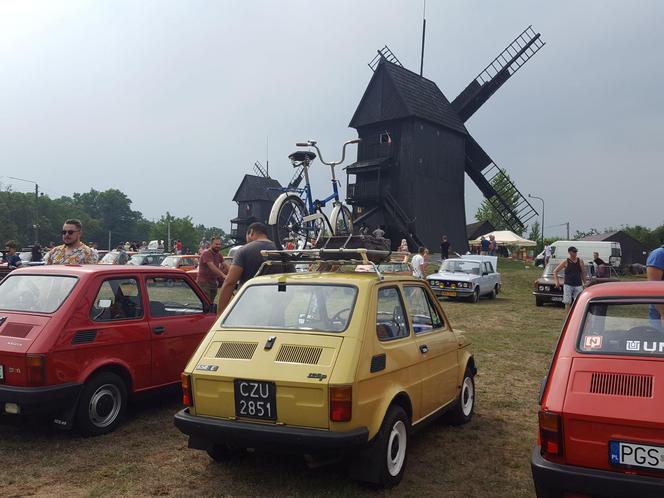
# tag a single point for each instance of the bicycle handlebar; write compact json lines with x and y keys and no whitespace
{"x":313,"y":143}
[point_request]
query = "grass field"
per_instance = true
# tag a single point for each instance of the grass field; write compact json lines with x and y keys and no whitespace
{"x":513,"y":341}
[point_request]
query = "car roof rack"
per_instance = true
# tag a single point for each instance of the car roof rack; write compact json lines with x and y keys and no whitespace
{"x":325,"y":258}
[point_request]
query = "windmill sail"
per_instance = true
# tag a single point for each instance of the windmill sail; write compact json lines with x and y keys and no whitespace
{"x":492,"y":77}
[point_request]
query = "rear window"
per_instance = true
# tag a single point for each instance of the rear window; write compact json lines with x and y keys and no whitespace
{"x":623,"y":328}
{"x":325,"y":308}
{"x":38,"y":293}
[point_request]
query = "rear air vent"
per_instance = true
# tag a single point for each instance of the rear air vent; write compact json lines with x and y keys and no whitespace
{"x":621,"y":384}
{"x":237,"y":350}
{"x":299,"y":354}
{"x":19,"y":330}
{"x":84,"y":337}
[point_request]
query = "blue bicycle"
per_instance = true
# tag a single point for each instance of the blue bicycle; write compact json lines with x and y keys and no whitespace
{"x":297,"y":219}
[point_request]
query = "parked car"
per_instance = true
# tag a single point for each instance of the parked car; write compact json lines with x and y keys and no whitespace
{"x":181,"y":262}
{"x":336,"y":364}
{"x":467,"y":277}
{"x":77,"y":341}
{"x":113,"y":257}
{"x":545,"y":290}
{"x":147,"y":258}
{"x":601,"y":423}
{"x":610,"y":252}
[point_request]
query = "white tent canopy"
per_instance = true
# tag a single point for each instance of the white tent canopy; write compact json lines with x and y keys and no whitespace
{"x":506,"y":238}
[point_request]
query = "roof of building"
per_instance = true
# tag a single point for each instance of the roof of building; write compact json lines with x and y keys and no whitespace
{"x":473,"y":229}
{"x":257,"y":188}
{"x":417,"y":96}
{"x":609,"y":235}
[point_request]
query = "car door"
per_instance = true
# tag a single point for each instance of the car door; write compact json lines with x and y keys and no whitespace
{"x":437,"y":346}
{"x":118,"y":329}
{"x":179,"y":318}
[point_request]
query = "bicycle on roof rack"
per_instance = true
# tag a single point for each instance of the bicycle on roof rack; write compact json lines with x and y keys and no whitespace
{"x":297,"y":219}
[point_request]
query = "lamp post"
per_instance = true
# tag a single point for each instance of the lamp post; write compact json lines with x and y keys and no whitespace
{"x":36,"y":223}
{"x":535,"y":197}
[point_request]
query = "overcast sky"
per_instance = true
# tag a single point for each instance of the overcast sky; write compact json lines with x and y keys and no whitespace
{"x":173,"y":101}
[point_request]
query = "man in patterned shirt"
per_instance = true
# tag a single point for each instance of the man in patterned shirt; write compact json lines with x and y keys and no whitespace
{"x":73,"y":251}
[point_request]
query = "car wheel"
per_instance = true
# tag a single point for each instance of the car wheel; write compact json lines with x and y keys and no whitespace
{"x":493,"y":293}
{"x":102,"y":405}
{"x":475,"y":298}
{"x":465,"y":403}
{"x":392,"y":444}
{"x":539,"y":302}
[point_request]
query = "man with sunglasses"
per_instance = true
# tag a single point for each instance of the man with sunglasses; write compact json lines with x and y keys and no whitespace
{"x":72,"y":251}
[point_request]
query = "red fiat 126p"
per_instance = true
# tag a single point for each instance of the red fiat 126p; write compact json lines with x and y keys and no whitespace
{"x":601,"y":419}
{"x":77,"y":341}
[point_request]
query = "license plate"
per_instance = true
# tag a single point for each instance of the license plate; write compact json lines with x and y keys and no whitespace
{"x":255,"y":399}
{"x":557,"y":299}
{"x":449,"y":293}
{"x":636,"y":455}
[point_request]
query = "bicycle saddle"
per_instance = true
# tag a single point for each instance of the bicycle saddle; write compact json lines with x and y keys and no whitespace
{"x":301,"y":156}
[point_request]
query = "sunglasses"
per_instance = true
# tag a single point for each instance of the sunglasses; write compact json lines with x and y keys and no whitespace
{"x":69,"y":232}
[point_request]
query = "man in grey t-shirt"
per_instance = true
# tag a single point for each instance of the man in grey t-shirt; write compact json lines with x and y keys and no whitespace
{"x":246,"y":262}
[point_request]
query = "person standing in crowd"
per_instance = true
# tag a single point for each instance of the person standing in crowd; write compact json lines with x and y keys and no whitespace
{"x":575,"y":277}
{"x":493,"y":245}
{"x":247,"y":261}
{"x":12,"y":259}
{"x":211,"y":269}
{"x":484,"y":246}
{"x":403,"y":248}
{"x":547,"y":254}
{"x":418,"y":263}
{"x":178,"y":247}
{"x":72,"y":251}
{"x":655,"y":273}
{"x":37,"y":255}
{"x":93,"y":247}
{"x":444,"y":248}
{"x":123,"y":257}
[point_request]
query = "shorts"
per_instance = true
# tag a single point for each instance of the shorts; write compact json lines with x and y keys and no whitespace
{"x":571,"y":292}
{"x":209,"y":289}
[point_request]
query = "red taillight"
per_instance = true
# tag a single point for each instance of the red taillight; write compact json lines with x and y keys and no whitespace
{"x":36,"y":369}
{"x":341,"y":403}
{"x":187,"y":398}
{"x":551,"y":433}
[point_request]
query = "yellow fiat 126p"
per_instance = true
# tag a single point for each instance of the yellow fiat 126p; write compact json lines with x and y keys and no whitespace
{"x":327,"y":362}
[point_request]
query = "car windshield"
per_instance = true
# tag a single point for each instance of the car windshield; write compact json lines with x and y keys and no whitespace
{"x":171,"y":262}
{"x":109,"y":258}
{"x":136,"y":260}
{"x":325,"y":308}
{"x":623,"y":328}
{"x":548,"y":271}
{"x":38,"y":293}
{"x":460,"y":266}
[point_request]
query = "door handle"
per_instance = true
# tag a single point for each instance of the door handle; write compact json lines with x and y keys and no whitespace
{"x":424,"y":349}
{"x":159,"y":330}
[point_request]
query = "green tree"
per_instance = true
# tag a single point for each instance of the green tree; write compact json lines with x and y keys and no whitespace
{"x":535,"y":234}
{"x":486,"y":212}
{"x":181,"y":228}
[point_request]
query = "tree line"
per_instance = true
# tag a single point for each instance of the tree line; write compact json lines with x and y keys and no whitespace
{"x":23,"y":217}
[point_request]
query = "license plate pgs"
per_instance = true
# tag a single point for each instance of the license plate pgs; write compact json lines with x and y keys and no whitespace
{"x":636,"y":455}
{"x":255,"y":399}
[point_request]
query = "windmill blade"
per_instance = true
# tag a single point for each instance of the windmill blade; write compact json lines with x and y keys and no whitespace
{"x":499,"y":190}
{"x":492,"y":77}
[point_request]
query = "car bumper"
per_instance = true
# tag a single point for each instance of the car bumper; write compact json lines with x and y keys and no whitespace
{"x":459,"y":292}
{"x":553,"y":479}
{"x":547,"y":297}
{"x":204,"y":432}
{"x":39,"y":400}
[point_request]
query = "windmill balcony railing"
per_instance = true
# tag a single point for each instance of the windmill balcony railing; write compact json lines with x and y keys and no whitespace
{"x":365,"y":191}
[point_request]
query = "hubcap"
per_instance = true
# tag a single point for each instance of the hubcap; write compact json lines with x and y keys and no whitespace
{"x":105,"y":405}
{"x":396,"y":448}
{"x":467,"y":396}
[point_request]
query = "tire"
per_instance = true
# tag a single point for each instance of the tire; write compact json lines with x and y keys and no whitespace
{"x":475,"y":298}
{"x":494,"y":292}
{"x":539,"y":302}
{"x":290,"y":222}
{"x":222,"y":452}
{"x":464,"y":406}
{"x":342,"y":221}
{"x":388,"y":453}
{"x":102,"y":404}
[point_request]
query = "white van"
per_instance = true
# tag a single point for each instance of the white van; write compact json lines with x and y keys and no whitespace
{"x":608,"y":251}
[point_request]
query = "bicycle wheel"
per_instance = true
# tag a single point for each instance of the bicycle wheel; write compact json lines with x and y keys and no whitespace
{"x":291,"y":230}
{"x":342,"y":220}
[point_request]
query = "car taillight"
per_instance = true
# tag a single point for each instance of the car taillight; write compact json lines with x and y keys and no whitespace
{"x":341,"y":403}
{"x":36,"y":369}
{"x":187,"y":398}
{"x":551,"y":433}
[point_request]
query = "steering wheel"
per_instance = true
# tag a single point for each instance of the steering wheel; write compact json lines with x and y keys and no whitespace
{"x":337,"y":316}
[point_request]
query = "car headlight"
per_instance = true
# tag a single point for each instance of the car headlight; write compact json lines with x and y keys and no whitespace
{"x":541,"y":288}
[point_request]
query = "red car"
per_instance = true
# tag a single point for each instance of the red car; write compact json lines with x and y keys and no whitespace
{"x":77,"y":341}
{"x":601,"y":419}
